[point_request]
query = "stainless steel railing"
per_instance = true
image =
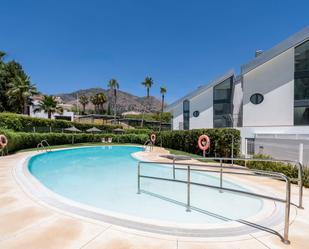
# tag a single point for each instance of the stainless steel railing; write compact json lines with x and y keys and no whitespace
{"x":148,"y":143}
{"x":239,"y":171}
{"x":42,"y":146}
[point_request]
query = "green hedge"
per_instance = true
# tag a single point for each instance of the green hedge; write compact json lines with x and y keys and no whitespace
{"x":18,"y":122}
{"x":287,"y":169}
{"x":220,"y":141}
{"x":24,"y":140}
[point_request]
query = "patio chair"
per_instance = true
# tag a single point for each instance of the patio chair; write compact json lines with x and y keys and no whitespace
{"x":110,"y":140}
{"x":103,"y":140}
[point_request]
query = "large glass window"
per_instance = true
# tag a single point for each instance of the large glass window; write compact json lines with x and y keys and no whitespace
{"x":301,"y":85}
{"x":186,"y":114}
{"x":222,"y":104}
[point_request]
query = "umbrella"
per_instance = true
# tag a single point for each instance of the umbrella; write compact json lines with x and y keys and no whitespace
{"x":73,"y":129}
{"x":118,"y":130}
{"x":93,"y":129}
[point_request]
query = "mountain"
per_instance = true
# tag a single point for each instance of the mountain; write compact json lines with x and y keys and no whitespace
{"x":125,"y":101}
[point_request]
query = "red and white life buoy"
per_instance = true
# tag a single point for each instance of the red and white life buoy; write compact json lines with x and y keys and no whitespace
{"x":153,"y":138}
{"x":203,"y":142}
{"x":3,"y":141}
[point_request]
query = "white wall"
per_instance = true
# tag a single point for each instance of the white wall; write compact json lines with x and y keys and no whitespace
{"x":237,"y":103}
{"x":249,"y":132}
{"x":204,"y":104}
{"x":275,"y":80}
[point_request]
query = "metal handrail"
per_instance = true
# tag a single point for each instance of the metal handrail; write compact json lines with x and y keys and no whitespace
{"x":249,"y":172}
{"x":298,"y":164}
{"x":150,"y":144}
{"x":41,"y":145}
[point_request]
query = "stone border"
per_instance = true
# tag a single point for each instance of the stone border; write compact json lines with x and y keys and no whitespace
{"x":270,"y":216}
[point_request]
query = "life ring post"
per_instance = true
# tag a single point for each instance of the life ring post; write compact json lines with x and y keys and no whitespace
{"x":203,"y":143}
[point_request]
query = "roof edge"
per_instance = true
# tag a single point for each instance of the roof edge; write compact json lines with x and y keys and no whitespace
{"x":201,"y":89}
{"x":269,"y":54}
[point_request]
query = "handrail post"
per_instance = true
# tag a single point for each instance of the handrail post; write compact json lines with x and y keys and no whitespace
{"x":188,"y":189}
{"x":174,"y":169}
{"x":287,"y":212}
{"x":139,"y":178}
{"x":221,"y":176}
{"x":300,"y":185}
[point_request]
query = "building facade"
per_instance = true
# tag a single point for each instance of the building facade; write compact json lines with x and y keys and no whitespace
{"x":270,"y":98}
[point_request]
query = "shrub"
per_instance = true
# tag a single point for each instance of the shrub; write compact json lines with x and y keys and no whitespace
{"x":18,"y":122}
{"x":287,"y":169}
{"x":220,"y":141}
{"x":139,"y":131}
{"x":24,"y":140}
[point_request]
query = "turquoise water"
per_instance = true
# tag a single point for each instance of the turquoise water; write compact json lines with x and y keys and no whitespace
{"x":106,"y":177}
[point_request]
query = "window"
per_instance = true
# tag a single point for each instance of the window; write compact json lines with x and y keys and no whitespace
{"x":256,"y":98}
{"x":196,"y":114}
{"x":222,"y":104}
{"x":302,"y":57}
{"x":250,"y":146}
{"x":186,"y":114}
{"x":301,"y":85}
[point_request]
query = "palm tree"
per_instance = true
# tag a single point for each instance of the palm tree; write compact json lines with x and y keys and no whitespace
{"x":148,"y":82}
{"x":49,"y":105}
{"x":84,"y":100}
{"x":114,"y":86}
{"x":99,"y":100}
{"x":94,"y":101}
{"x":20,"y":91}
{"x":162,"y":92}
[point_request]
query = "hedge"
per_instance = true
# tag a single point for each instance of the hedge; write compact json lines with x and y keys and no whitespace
{"x":220,"y":141}
{"x":18,"y":122}
{"x":24,"y":140}
{"x":289,"y":170}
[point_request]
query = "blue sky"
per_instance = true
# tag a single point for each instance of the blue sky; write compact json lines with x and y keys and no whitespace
{"x":70,"y":45}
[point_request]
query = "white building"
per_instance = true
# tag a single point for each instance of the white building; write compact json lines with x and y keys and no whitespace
{"x":268,"y":100}
{"x":67,"y":114}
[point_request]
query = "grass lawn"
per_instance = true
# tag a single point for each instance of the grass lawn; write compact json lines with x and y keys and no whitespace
{"x":197,"y":157}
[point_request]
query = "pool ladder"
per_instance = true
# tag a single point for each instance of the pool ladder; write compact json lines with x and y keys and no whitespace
{"x":42,"y":147}
{"x":148,"y":144}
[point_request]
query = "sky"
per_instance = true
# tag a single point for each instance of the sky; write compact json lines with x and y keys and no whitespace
{"x":70,"y":45}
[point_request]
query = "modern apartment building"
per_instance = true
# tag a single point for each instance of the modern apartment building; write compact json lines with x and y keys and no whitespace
{"x":268,"y":100}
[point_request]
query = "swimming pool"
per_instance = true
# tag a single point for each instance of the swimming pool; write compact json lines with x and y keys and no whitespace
{"x":105,"y":177}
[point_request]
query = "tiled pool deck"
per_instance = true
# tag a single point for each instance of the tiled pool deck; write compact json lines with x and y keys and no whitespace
{"x":26,"y":222}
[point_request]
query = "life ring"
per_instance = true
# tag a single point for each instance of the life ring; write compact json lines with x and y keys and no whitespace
{"x":203,"y":142}
{"x":153,"y":137}
{"x":3,"y":141}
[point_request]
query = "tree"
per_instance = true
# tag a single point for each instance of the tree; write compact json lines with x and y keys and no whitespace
{"x":98,"y":100}
{"x":9,"y":71}
{"x":84,"y":100}
{"x":162,"y":92}
{"x":148,"y":82}
{"x":49,"y":105}
{"x":114,"y":86}
{"x":101,"y":97}
{"x":19,"y":92}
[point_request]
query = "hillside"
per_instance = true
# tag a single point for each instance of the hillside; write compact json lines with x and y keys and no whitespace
{"x":125,"y":101}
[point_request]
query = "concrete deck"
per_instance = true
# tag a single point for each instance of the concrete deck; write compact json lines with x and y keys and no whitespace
{"x":27,"y":223}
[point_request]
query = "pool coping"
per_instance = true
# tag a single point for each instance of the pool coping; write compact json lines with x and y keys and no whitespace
{"x":32,"y":186}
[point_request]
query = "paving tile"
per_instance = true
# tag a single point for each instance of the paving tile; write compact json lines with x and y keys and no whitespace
{"x":11,"y":222}
{"x":58,"y":233}
{"x":245,"y":244}
{"x":114,"y":239}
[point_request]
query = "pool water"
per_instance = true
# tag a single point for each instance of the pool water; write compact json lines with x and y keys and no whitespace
{"x":106,"y":177}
